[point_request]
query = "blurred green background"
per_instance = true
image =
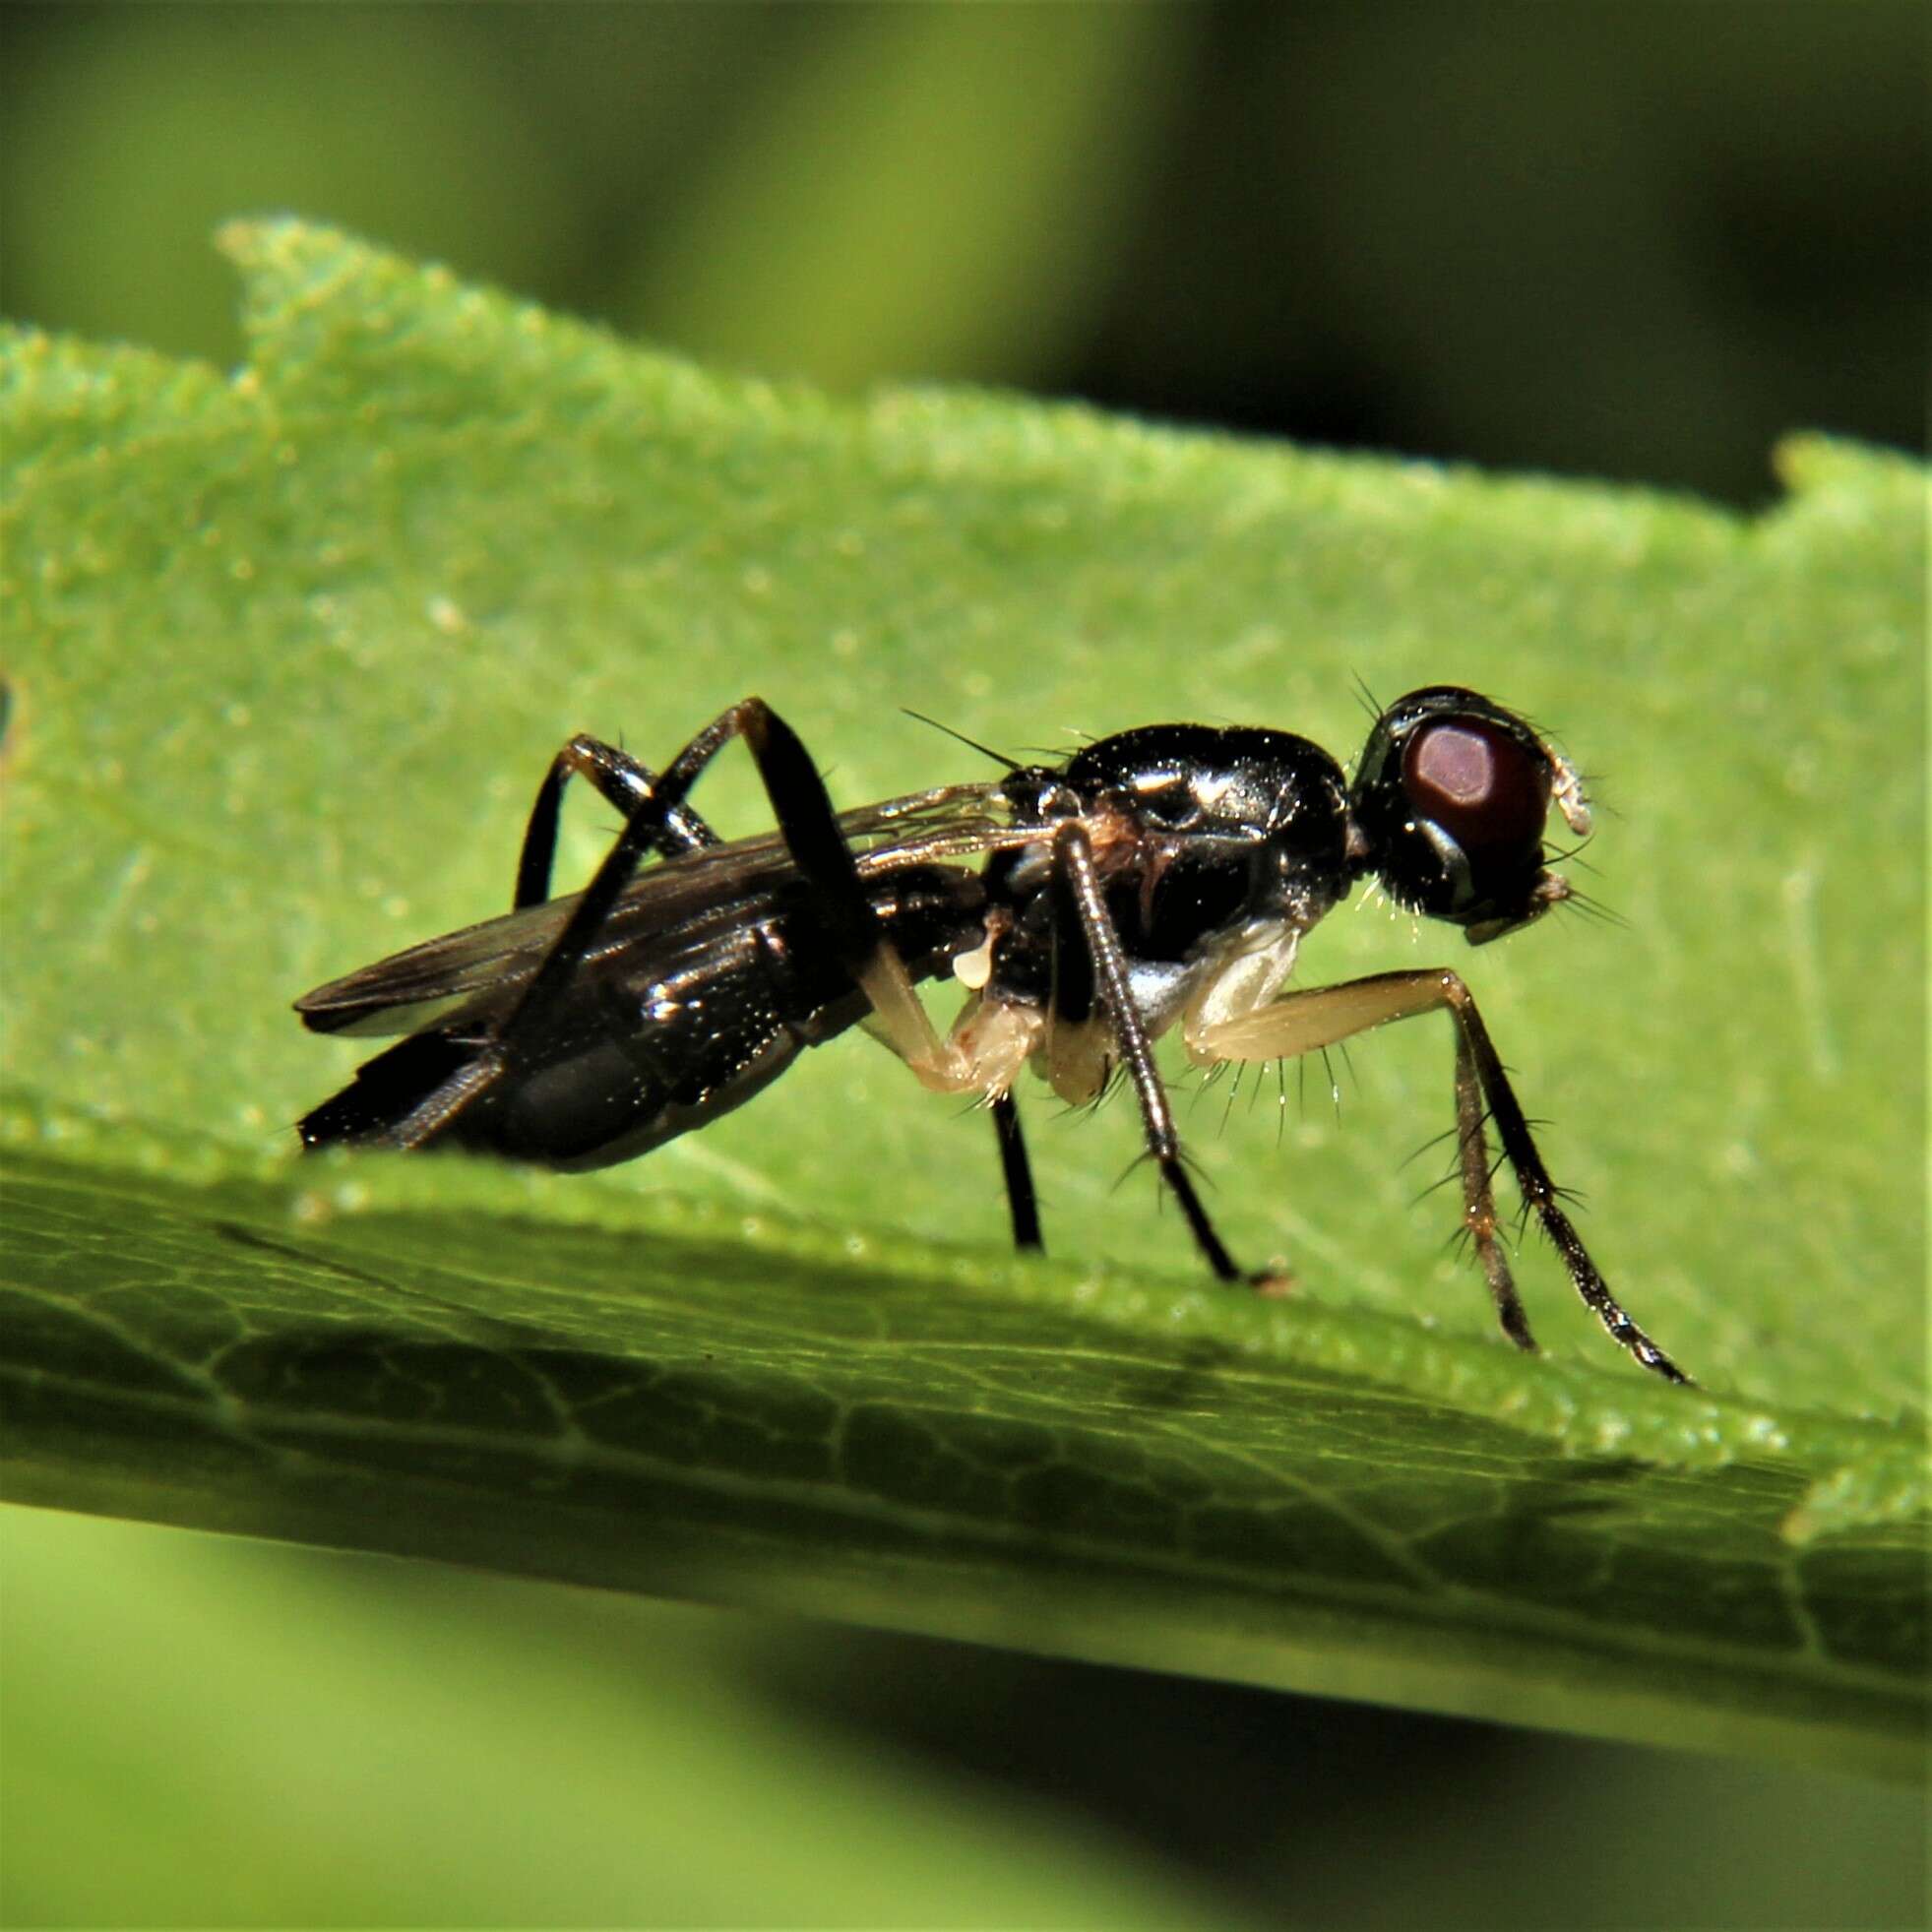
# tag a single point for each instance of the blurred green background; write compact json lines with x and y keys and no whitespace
{"x":1633,"y":241}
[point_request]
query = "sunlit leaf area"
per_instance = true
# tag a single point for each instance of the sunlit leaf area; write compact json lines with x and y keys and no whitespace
{"x":746,"y":1536}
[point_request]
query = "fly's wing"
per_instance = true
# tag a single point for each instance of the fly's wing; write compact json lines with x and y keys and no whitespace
{"x":482,"y":968}
{"x":498,"y":956}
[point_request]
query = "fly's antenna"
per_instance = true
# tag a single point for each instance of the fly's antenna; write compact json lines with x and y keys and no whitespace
{"x":1367,"y":698}
{"x":972,"y":744}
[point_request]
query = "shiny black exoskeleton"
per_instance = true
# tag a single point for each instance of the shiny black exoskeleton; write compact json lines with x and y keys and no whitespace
{"x":658,"y":1039}
{"x":1160,"y":878}
{"x":1200,"y":832}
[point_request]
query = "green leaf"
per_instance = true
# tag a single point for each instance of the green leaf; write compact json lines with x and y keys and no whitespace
{"x":287,"y":655}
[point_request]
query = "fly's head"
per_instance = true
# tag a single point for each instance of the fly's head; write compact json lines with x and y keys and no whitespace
{"x":1448,"y":807}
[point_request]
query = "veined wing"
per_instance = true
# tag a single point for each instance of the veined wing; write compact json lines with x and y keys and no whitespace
{"x":484,"y":965}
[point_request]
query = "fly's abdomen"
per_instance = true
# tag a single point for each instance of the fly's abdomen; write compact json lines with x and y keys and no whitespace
{"x":640,"y":1054}
{"x":645,"y":1064}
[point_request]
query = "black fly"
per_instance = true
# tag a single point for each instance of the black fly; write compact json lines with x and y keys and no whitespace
{"x":1162,"y":875}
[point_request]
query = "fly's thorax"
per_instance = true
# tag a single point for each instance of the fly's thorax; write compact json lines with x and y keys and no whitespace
{"x":1236,"y":781}
{"x":1209,"y":845}
{"x":1236,"y":828}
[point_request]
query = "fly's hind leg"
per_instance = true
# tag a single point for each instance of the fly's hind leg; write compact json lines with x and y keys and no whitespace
{"x":657,"y":819}
{"x":810,"y":828}
{"x":1305,"y":1021}
{"x":622,"y":782}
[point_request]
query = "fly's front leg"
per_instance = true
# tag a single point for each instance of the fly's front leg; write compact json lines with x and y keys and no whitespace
{"x":1532,"y":1179}
{"x":1479,"y":1196}
{"x":623,"y":783}
{"x":1073,"y":855}
{"x":1306,"y":1021}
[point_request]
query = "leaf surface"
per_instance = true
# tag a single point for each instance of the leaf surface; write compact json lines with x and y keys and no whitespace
{"x":286,"y":654}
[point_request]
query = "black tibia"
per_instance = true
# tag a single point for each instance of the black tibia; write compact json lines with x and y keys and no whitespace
{"x":531,"y":1018}
{"x":625,"y":783}
{"x":1479,"y":1196}
{"x":1539,"y":1191}
{"x":1073,"y":857}
{"x":811,"y":830}
{"x":383,"y":1090}
{"x":851,"y":916}
{"x":1016,"y":1171}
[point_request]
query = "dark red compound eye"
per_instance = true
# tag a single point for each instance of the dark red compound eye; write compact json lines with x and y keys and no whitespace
{"x":1485,"y":788}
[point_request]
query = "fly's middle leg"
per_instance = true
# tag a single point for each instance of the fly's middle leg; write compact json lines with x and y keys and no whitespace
{"x":985,"y":1051}
{"x":1023,"y":1203}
